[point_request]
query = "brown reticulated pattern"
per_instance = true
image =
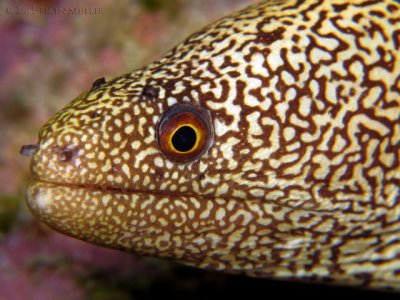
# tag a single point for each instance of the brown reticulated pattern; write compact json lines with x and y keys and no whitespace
{"x":302,"y":179}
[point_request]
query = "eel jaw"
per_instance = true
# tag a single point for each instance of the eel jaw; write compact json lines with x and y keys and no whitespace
{"x":186,"y":229}
{"x":100,"y":216}
{"x":134,"y":221}
{"x":193,"y":231}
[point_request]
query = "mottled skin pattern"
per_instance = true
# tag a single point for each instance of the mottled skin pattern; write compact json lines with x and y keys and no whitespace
{"x":302,"y":178}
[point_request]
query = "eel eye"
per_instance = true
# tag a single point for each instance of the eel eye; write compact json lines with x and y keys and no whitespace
{"x":184,"y":133}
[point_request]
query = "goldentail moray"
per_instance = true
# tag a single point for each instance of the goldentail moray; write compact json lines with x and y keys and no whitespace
{"x":267,"y":144}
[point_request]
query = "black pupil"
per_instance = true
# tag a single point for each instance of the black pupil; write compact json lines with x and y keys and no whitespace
{"x":184,"y":139}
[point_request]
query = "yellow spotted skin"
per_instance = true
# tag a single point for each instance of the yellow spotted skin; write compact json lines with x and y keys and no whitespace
{"x":302,"y":179}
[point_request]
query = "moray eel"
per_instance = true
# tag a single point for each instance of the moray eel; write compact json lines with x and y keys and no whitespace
{"x":266,"y":144}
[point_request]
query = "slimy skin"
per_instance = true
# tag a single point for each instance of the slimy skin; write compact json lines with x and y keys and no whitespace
{"x":301,"y":179}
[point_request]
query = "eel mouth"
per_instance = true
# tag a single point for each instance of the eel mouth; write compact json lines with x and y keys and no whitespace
{"x":108,"y":189}
{"x":91,"y":187}
{"x":41,"y":195}
{"x":44,"y":197}
{"x":55,"y":203}
{"x":119,"y":218}
{"x":103,"y":216}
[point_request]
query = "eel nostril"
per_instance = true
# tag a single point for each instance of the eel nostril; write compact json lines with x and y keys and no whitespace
{"x":28,"y":150}
{"x":149,"y":93}
{"x":95,"y":114}
{"x":66,"y":154}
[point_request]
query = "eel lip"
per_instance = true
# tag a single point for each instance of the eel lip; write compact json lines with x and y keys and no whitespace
{"x":35,"y":197}
{"x":28,"y":150}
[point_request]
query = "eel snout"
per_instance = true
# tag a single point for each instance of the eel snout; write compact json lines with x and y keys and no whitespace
{"x":28,"y":150}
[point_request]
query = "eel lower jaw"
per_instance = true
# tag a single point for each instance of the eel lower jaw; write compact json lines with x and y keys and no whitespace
{"x":88,"y":213}
{"x":121,"y":219}
{"x":82,"y":211}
